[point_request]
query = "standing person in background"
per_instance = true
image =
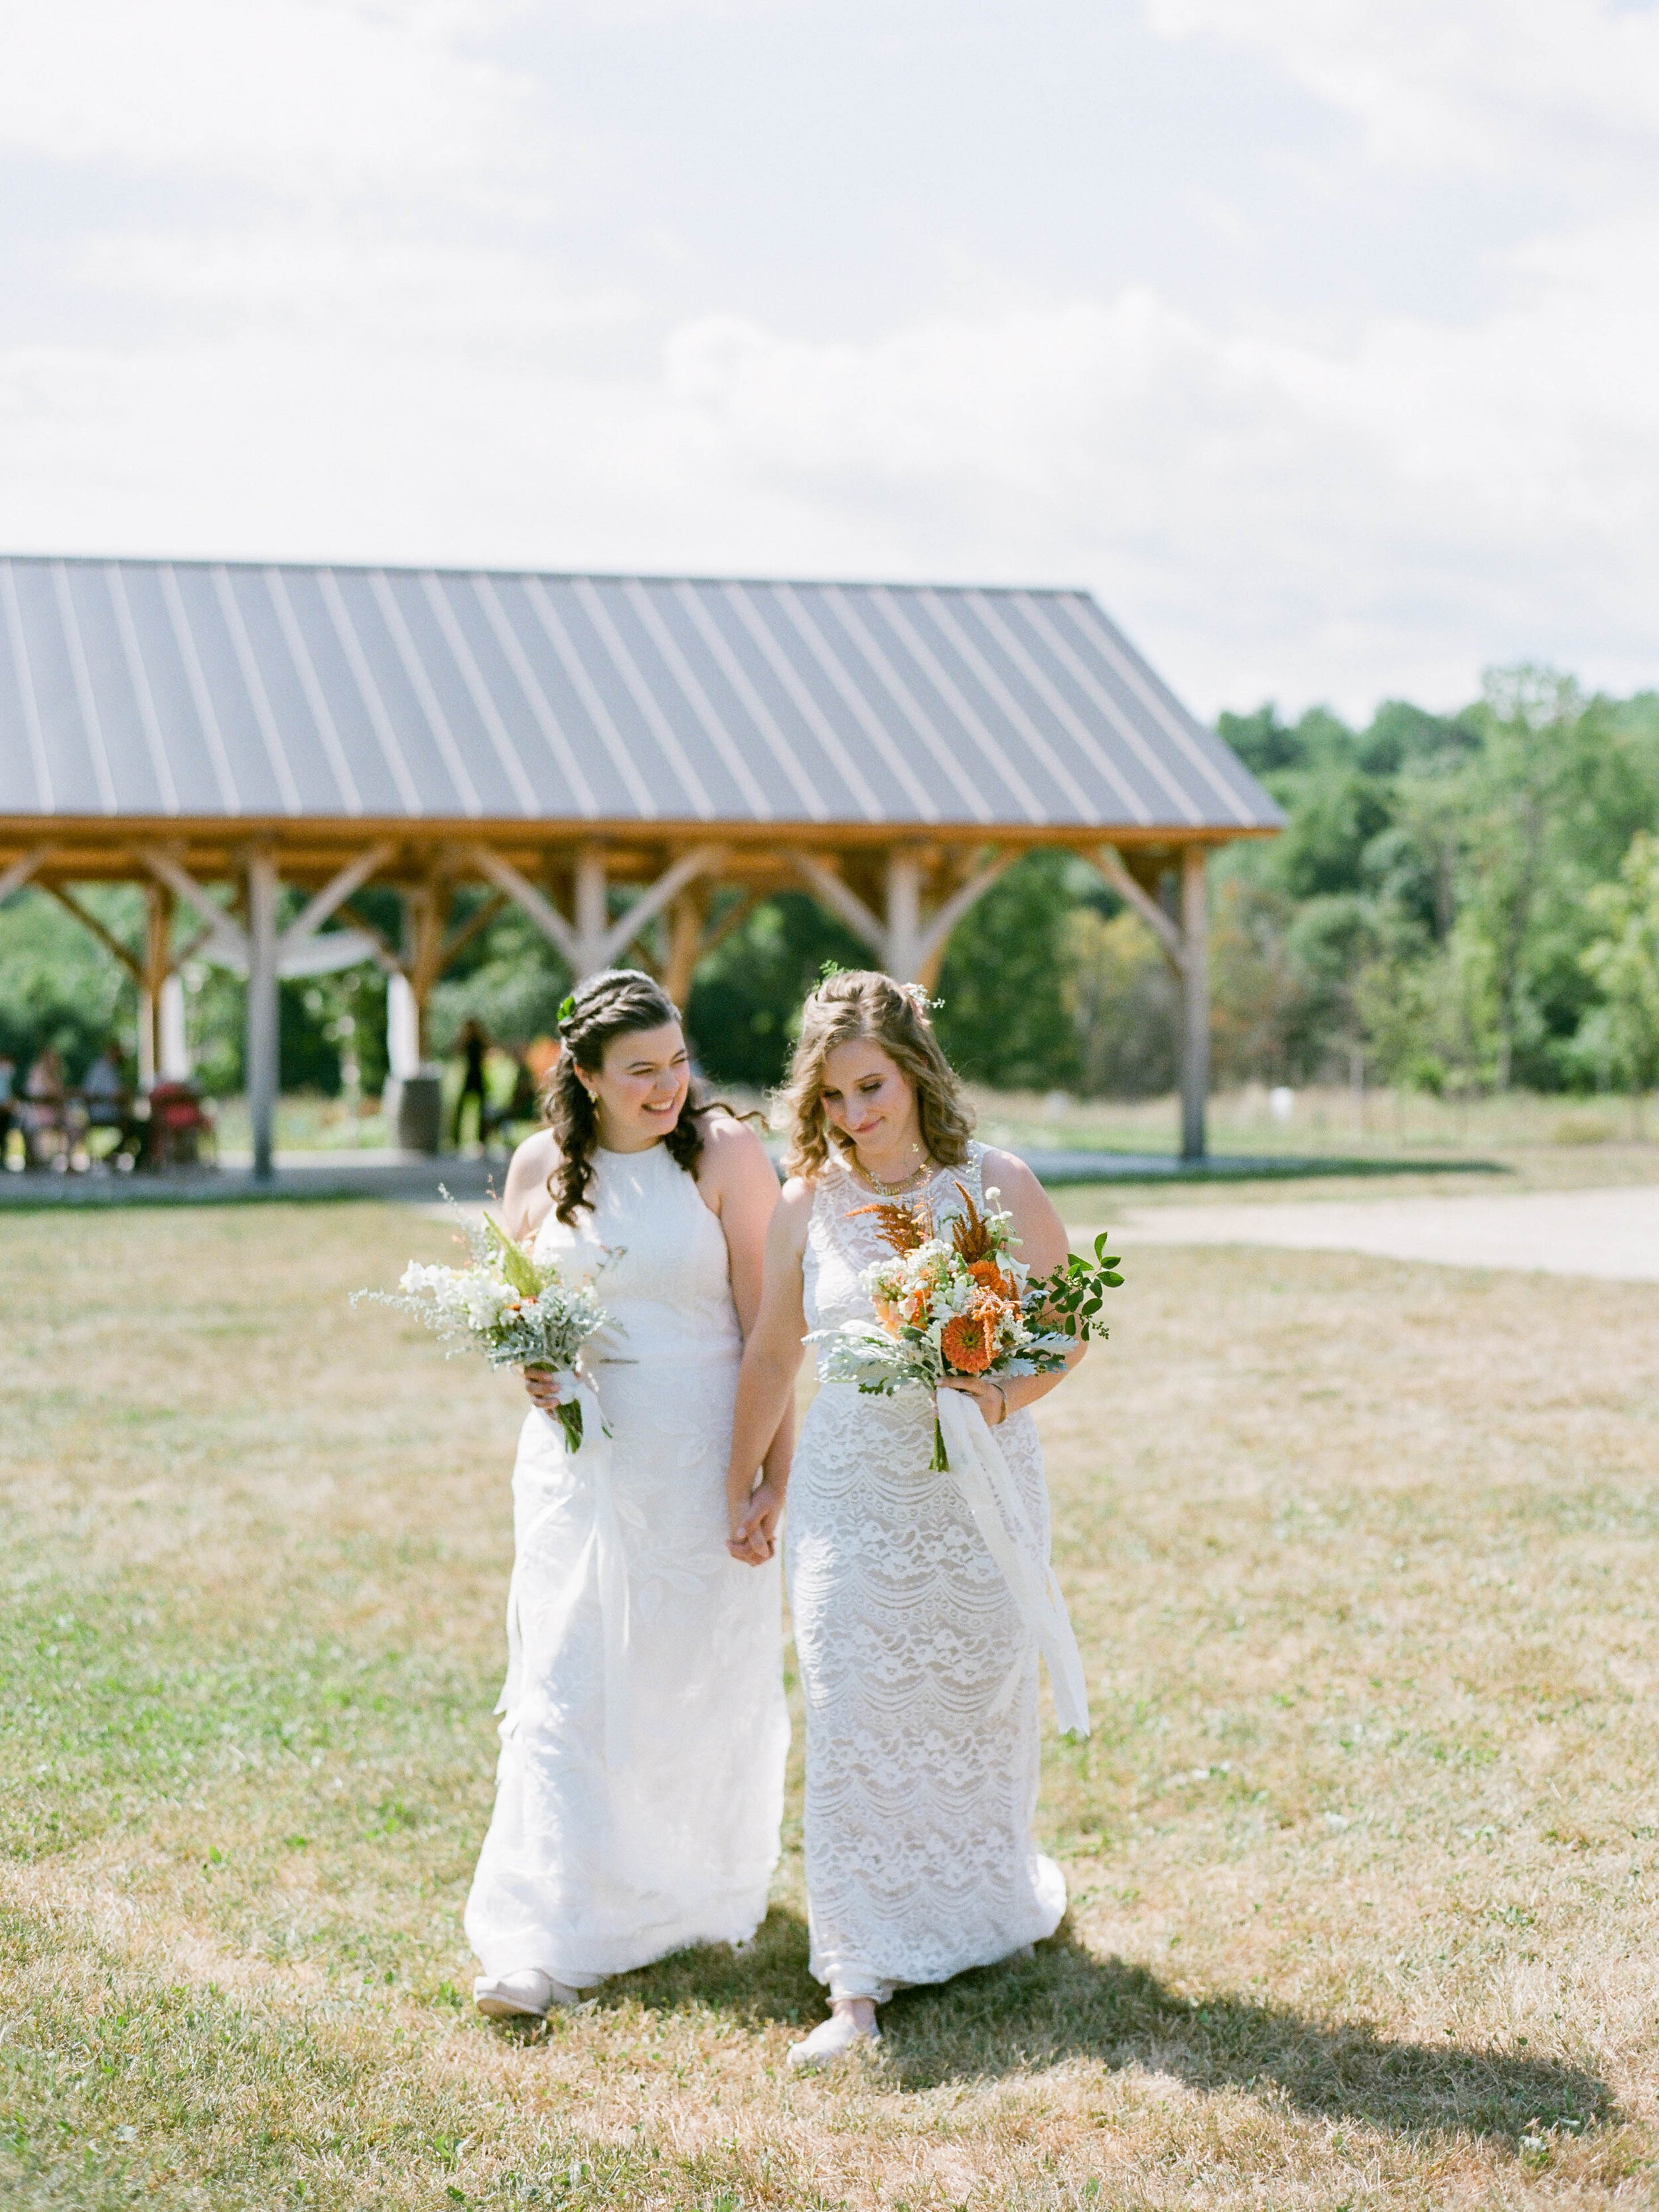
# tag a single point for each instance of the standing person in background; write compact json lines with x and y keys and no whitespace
{"x":474,"y":1043}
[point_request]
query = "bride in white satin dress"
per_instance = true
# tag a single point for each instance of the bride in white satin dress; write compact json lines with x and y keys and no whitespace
{"x":918,"y":1660}
{"x":639,"y":1788}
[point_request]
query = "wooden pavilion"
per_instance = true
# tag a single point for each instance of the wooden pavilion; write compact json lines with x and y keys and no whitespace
{"x":604,"y":752}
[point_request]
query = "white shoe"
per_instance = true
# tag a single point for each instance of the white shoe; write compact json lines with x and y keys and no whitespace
{"x":830,"y":2041}
{"x":528,"y":1995}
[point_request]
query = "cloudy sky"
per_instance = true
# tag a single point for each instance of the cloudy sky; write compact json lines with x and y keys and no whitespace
{"x":1319,"y":337}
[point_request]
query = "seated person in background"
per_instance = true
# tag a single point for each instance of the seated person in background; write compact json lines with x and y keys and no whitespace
{"x":45,"y":1131}
{"x":105,"y":1090}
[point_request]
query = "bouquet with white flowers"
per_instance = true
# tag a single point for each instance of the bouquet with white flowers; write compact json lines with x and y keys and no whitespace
{"x":952,"y":1300}
{"x":519,"y":1311}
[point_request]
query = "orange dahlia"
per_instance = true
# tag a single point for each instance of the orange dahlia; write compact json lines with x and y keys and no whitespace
{"x":969,"y":1341}
{"x":990,"y":1277}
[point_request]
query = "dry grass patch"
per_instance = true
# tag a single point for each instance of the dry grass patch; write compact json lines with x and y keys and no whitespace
{"x":1362,"y":1852}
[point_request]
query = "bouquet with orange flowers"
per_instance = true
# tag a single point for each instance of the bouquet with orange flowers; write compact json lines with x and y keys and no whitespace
{"x":953,"y":1300}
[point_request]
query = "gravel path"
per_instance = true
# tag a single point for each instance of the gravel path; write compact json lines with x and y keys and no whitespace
{"x":1611,"y":1233}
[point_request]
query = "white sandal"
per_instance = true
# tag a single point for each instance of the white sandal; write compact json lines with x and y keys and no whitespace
{"x":527,"y":1995}
{"x":832,"y":2040}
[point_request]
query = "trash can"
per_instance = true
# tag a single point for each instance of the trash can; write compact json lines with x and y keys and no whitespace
{"x":418,"y":1111}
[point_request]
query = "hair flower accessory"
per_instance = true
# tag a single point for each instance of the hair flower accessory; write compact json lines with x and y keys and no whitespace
{"x":920,"y":997}
{"x":566,"y":1008}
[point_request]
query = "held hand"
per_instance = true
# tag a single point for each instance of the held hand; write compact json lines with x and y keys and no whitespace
{"x":542,"y":1384}
{"x":754,"y":1527}
{"x":987,"y":1396}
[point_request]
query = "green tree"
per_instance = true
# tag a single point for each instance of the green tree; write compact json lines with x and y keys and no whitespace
{"x":1123,"y":1002}
{"x":1622,"y":961}
{"x":1006,"y":1019}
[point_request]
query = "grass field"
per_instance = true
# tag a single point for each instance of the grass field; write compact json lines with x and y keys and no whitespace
{"x":1323,"y":1119}
{"x":1363,"y":1853}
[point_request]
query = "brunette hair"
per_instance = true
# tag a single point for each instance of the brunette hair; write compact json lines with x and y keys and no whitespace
{"x":858,"y":1002}
{"x":608,"y":1004}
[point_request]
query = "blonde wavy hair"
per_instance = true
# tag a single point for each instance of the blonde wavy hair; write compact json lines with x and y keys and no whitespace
{"x":858,"y":1002}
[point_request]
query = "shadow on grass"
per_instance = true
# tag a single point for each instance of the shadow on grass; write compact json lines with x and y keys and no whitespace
{"x":764,"y":1985}
{"x":1064,"y":2003}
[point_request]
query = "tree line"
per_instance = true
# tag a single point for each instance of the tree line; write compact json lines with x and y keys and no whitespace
{"x":1459,"y":902}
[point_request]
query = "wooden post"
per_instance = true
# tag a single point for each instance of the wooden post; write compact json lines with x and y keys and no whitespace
{"x":1194,"y":1002}
{"x":152,"y":981}
{"x":902,"y":951}
{"x":685,"y":942}
{"x":424,"y":916}
{"x":592,"y":948}
{"x":262,"y":1032}
{"x":402,"y":1028}
{"x":172,"y":1036}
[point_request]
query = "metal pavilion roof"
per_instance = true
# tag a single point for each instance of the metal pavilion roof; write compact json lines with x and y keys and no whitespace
{"x":223,"y":692}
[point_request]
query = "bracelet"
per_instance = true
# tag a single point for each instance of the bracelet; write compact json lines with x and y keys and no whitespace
{"x":1003,"y":1394}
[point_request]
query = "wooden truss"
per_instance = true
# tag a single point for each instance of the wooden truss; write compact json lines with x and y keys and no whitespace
{"x":645,"y":894}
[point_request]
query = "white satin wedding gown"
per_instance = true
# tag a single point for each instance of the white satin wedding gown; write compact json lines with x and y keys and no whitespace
{"x":639,"y":1788}
{"x":920,"y":1673}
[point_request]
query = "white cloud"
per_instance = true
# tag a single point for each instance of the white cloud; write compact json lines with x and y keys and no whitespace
{"x":369,"y":349}
{"x":1492,"y":85}
{"x":1376,"y":520}
{"x":296,"y":96}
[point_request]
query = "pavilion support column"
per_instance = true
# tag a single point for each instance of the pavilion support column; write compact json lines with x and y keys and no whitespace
{"x":423,"y":952}
{"x":402,"y":1027}
{"x":262,"y":1033}
{"x":172,"y":1036}
{"x":593,"y":946}
{"x":685,"y":942}
{"x":156,"y":967}
{"x":903,"y":950}
{"x":1194,"y":1002}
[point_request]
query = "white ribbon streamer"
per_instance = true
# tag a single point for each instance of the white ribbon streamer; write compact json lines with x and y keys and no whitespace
{"x":589,"y":1471}
{"x":976,"y":1460}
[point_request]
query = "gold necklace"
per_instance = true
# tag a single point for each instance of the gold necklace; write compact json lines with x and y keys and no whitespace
{"x":892,"y":1190}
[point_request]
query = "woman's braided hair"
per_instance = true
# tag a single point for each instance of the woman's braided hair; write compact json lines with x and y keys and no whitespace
{"x":606,"y":1005}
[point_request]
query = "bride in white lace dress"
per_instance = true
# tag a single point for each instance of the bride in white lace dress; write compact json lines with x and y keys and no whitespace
{"x":919,"y":1668}
{"x":639,"y":1788}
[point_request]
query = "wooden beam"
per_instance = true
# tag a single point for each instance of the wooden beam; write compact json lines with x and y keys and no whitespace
{"x":734,"y":917}
{"x":225,"y":935}
{"x":936,"y":931}
{"x":703,"y":860}
{"x":1108,"y":863}
{"x":827,"y":886}
{"x":523,"y":893}
{"x":481,"y":917}
{"x":128,"y":959}
{"x":334,"y":893}
{"x":381,"y":950}
{"x":16,"y":873}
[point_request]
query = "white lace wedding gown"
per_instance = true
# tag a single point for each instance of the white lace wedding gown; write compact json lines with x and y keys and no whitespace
{"x":595,"y":1862}
{"x":921,"y":1772}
